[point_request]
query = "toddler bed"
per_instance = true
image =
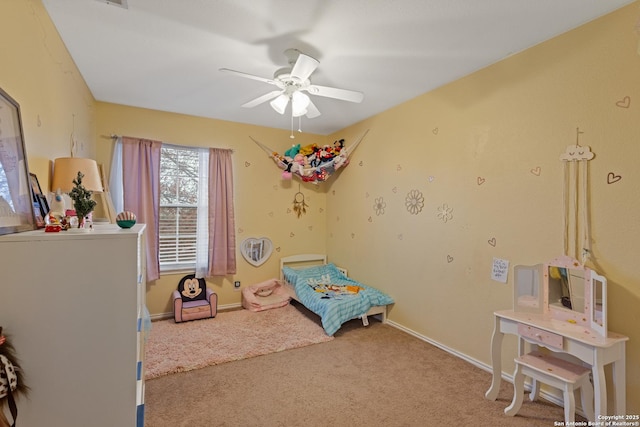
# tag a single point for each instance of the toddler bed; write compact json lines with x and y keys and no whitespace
{"x":326,"y":290}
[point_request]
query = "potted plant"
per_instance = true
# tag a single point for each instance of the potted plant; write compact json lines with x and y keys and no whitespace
{"x":82,"y":201}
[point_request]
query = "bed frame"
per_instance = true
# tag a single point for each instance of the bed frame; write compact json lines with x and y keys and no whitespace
{"x":309,"y":260}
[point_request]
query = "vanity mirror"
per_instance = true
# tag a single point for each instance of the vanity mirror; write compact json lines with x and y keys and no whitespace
{"x":599,"y":303}
{"x":569,"y":290}
{"x":528,"y":295}
{"x":566,"y":288}
{"x":563,"y":289}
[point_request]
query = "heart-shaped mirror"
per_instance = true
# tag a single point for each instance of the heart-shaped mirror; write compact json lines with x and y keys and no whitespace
{"x":256,"y":250}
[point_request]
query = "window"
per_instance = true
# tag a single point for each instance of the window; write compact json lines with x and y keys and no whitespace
{"x":168,"y":186}
{"x":182,"y":181}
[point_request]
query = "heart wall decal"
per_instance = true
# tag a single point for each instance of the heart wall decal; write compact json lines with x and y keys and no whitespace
{"x":256,"y":250}
{"x":613,"y":178}
{"x":624,"y":102}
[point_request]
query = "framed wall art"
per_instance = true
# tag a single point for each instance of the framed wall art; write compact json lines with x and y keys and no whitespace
{"x":16,"y":200}
{"x":40,"y":203}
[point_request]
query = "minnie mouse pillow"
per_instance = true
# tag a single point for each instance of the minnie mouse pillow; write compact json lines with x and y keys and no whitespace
{"x":192,"y":289}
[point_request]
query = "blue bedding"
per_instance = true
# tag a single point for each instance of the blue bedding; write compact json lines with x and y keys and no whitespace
{"x":330,"y":294}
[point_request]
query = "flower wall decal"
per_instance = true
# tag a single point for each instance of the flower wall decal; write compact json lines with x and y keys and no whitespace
{"x":379,"y":206}
{"x":414,"y":202}
{"x":445,"y":213}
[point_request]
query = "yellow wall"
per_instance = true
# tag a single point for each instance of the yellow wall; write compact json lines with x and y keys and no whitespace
{"x":471,"y":145}
{"x":39,"y":74}
{"x":263,"y":201}
{"x":474,"y":145}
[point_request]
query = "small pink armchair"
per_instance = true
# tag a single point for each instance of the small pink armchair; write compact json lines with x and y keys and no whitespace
{"x":192,"y":300}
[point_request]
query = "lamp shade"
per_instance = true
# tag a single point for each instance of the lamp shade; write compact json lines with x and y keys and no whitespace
{"x":280,"y":103}
{"x":65,"y":170}
{"x":299,"y":104}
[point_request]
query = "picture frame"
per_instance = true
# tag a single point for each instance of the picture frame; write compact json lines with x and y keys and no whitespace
{"x":40,"y":203}
{"x":16,"y":201}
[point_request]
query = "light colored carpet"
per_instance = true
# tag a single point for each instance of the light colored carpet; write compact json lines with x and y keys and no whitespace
{"x":179,"y":347}
{"x":366,"y":377}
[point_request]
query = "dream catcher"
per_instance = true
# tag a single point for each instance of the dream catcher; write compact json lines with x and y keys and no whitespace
{"x":11,"y":380}
{"x":575,"y":194}
{"x":299,"y":205}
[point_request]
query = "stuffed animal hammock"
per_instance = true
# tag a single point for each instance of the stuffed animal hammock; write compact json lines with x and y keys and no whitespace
{"x":312,"y":163}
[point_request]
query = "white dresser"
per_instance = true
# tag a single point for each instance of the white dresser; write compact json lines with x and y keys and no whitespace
{"x":73,"y":304}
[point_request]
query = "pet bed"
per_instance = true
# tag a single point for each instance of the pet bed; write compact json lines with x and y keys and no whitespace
{"x":265,"y":296}
{"x":326,"y":290}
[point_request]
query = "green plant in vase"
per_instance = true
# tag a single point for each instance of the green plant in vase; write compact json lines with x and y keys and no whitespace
{"x":82,"y":201}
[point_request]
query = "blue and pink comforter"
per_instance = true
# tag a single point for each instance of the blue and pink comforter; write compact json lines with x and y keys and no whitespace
{"x":334,"y":297}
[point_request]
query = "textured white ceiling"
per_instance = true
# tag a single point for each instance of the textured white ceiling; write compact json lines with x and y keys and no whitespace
{"x":166,"y":54}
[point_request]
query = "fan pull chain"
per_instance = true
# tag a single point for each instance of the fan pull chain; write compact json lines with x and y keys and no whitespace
{"x":300,"y":124}
{"x":292,"y":137}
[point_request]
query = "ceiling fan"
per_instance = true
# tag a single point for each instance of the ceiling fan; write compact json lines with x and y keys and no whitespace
{"x":292,"y":82}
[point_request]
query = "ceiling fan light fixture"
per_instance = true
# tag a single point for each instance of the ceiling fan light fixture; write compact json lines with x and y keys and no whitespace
{"x":299,"y":104}
{"x":280,"y":103}
{"x":294,"y":85}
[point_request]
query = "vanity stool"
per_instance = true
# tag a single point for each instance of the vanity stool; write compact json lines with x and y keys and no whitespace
{"x":555,"y":372}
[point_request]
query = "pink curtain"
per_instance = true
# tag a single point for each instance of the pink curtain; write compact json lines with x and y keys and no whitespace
{"x":141,"y":191}
{"x":222,"y":238}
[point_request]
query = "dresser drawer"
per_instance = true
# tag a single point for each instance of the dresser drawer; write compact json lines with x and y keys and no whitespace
{"x":548,"y":339}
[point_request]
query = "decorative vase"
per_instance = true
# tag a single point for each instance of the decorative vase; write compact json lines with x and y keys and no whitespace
{"x":126,"y":219}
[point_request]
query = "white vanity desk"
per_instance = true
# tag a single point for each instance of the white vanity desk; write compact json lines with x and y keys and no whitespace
{"x":562,"y":305}
{"x":562,"y":336}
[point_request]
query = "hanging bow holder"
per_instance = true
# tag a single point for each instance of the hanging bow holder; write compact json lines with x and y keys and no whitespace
{"x":575,"y":199}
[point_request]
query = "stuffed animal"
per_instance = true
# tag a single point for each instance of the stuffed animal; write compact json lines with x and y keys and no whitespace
{"x":11,"y":380}
{"x":321,"y":174}
{"x":325,"y":154}
{"x":57,"y":206}
{"x":291,"y":152}
{"x":286,"y":174}
{"x":300,"y":162}
{"x":313,"y":159}
{"x":284,"y":163}
{"x":307,"y":150}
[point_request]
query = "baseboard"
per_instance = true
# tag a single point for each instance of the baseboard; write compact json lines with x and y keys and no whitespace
{"x":544,"y":393}
{"x":221,"y":308}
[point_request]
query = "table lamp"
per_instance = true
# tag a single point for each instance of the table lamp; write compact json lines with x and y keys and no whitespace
{"x":65,"y":170}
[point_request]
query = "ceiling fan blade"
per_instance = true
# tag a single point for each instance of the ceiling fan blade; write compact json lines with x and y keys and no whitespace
{"x":264,"y":98}
{"x":248,"y":76}
{"x":332,"y":92}
{"x":304,"y":66}
{"x":312,"y":111}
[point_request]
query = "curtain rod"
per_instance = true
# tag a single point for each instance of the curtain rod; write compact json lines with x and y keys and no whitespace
{"x":114,"y":136}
